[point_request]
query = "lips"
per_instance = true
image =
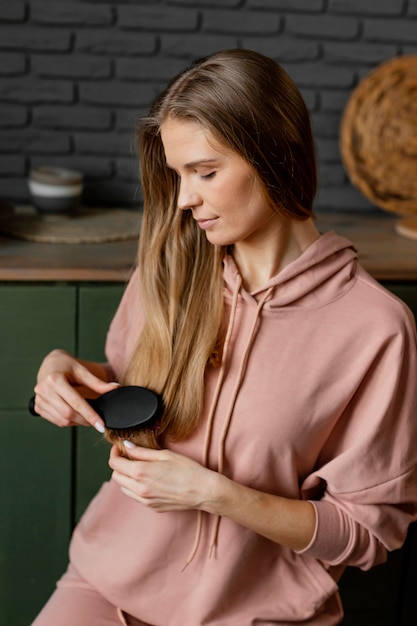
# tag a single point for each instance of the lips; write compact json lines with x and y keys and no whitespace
{"x":206,"y":223}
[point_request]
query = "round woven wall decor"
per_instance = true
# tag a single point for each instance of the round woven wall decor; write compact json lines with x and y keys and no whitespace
{"x":378,"y":136}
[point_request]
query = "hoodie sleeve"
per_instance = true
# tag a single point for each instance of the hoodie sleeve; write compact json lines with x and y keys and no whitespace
{"x":367,"y":472}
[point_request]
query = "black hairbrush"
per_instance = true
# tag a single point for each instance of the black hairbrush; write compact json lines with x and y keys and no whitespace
{"x":128,"y":408}
{"x":126,"y":411}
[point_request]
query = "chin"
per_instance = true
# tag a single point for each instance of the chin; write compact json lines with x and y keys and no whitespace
{"x":219,"y":240}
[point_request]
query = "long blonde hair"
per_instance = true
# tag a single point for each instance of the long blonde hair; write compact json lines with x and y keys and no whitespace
{"x":251,"y":106}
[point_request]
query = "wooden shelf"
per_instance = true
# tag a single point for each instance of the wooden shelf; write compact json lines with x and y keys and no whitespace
{"x":385,"y":254}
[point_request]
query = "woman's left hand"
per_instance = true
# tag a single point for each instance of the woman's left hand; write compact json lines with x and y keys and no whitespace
{"x":163,"y":480}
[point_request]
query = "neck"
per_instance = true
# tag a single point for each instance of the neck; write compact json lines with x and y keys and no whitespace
{"x":261,"y":260}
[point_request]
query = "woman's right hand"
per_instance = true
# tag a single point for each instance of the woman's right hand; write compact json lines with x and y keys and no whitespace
{"x":63,"y":382}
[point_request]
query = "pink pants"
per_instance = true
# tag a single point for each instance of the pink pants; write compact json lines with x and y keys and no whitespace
{"x":75,"y":602}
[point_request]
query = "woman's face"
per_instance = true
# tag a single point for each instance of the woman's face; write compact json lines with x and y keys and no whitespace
{"x":219,"y":188}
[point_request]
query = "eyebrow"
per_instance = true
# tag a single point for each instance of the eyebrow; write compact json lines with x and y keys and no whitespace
{"x":197,"y":163}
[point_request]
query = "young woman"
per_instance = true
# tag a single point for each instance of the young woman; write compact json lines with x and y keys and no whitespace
{"x":286,"y":449}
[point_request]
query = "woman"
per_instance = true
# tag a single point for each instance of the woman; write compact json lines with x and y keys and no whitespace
{"x":287,"y":373}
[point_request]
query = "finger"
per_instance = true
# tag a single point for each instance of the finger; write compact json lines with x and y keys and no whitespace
{"x":64,"y":406}
{"x":133,"y":485}
{"x":84,"y":377}
{"x":151,"y":503}
{"x":148,"y":502}
{"x":122,"y":464}
{"x":133,"y":495}
{"x":58,"y":412}
{"x":141,"y":453}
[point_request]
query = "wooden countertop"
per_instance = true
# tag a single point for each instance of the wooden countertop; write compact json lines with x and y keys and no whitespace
{"x":382,"y":252}
{"x":386,"y":255}
{"x":27,"y":261}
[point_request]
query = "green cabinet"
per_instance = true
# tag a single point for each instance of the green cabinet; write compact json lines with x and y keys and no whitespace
{"x":47,"y":474}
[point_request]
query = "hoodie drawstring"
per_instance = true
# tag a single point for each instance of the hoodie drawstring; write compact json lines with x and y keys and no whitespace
{"x":228,"y":418}
{"x":210,"y":418}
{"x":229,"y":413}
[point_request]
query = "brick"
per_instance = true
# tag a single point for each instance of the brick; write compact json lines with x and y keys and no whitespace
{"x":15,"y":190}
{"x":206,"y":3}
{"x":32,"y":38}
{"x":153,"y":68}
{"x":334,"y":100}
{"x":331,"y":175}
{"x":92,"y":167}
{"x":305,"y":6}
{"x":114,"y":43}
{"x":358,"y":52}
{"x":195,"y":46}
{"x":409,"y":49}
{"x":71,"y":117}
{"x":320,"y":75}
{"x":328,"y":149}
{"x":247,"y":22}
{"x":282,"y":48}
{"x":105,"y":143}
{"x":127,"y":169}
{"x":119,"y":94}
{"x":326,"y":124}
{"x":12,"y":11}
{"x":412,"y":8}
{"x":323,"y":26}
{"x":154,"y":18}
{"x":29,"y":141}
{"x":12,"y":116}
{"x":341,"y":199}
{"x":367,"y":7}
{"x":310,"y":98}
{"x":72,"y":66}
{"x":12,"y":64}
{"x":30,"y":91}
{"x":12,"y":165}
{"x":70,"y":13}
{"x":400,"y":31}
{"x":127,"y":119}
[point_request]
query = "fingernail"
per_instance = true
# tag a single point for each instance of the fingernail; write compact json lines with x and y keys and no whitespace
{"x":129,"y":445}
{"x":99,"y":426}
{"x":114,"y":383}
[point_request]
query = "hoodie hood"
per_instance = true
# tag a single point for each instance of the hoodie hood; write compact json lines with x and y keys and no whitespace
{"x":323,"y":273}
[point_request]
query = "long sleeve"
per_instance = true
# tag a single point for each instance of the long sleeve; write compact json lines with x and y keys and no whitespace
{"x":368,"y":473}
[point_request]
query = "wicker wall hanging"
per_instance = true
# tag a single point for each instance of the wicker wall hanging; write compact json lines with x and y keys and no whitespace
{"x":378,"y":139}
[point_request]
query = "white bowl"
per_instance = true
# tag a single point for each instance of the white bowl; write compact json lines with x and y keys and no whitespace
{"x":55,"y":190}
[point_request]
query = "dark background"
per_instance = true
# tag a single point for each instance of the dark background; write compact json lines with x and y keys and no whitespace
{"x":74,"y":75}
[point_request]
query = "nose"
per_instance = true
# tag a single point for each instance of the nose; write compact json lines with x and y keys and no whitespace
{"x":188,"y":197}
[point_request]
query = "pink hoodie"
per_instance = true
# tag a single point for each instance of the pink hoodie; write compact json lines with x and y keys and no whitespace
{"x":316,"y":399}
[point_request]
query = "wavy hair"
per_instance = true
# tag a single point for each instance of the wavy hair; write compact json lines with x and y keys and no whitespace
{"x":251,"y":106}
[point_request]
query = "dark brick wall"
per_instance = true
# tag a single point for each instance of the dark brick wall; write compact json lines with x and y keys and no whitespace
{"x":74,"y":75}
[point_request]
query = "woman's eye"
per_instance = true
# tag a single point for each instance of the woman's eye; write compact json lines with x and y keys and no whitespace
{"x":208,"y":176}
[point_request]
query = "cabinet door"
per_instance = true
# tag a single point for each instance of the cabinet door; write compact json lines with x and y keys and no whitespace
{"x":35,"y":457}
{"x":97,"y":305}
{"x":33,"y":320}
{"x":372,"y":597}
{"x":35,"y":517}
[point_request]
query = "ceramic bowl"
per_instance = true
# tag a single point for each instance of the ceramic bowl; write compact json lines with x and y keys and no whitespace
{"x":55,"y":189}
